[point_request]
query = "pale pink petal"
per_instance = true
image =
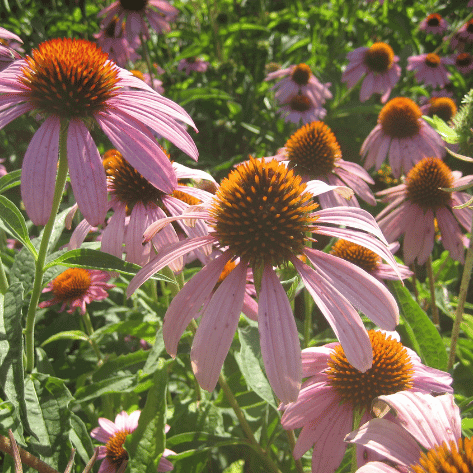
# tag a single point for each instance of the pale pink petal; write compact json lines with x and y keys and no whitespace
{"x":377,"y":467}
{"x":314,"y":360}
{"x":136,"y":252}
{"x":108,"y":426}
{"x":451,"y":234}
{"x":79,"y":234}
{"x":113,"y":234}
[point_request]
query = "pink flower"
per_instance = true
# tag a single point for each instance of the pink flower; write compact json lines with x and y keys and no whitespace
{"x":113,"y":434}
{"x":159,"y":14}
{"x":299,"y":80}
{"x":301,"y":109}
{"x":434,"y":23}
{"x":195,"y":64}
{"x":379,"y":66}
{"x":73,"y":82}
{"x":314,"y":153}
{"x":3,"y":169}
{"x":334,"y":386}
{"x":7,"y":54}
{"x":260,"y":217}
{"x":444,"y":107}
{"x":402,"y":136}
{"x":423,"y":435}
{"x":430,"y":68}
{"x":464,"y":62}
{"x":463,"y":36}
{"x":414,"y":205}
{"x":76,"y":287}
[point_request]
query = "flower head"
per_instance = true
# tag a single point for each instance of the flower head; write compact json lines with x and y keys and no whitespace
{"x":299,"y":108}
{"x":190,"y":64}
{"x":444,"y":107}
{"x":433,"y":23}
{"x":379,"y":66}
{"x":463,"y":36}
{"x":334,"y":386}
{"x":76,"y":287}
{"x":114,"y":434}
{"x":430,"y":68}
{"x":402,"y":135}
{"x":416,"y":204}
{"x":464,"y":62}
{"x":73,"y":82}
{"x":260,"y":218}
{"x":314,"y":153}
{"x":133,"y":13}
{"x":420,"y":433}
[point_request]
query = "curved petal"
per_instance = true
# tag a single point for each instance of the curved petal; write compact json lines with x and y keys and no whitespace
{"x":113,"y":235}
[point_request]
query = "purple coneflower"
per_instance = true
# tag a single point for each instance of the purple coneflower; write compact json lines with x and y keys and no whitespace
{"x":430,"y":68}
{"x":464,"y":62}
{"x":314,"y":153}
{"x":76,"y":287}
{"x":335,"y":386}
{"x":73,"y":82}
{"x":423,"y":435}
{"x":300,"y":108}
{"x":414,"y":205}
{"x":299,"y":79}
{"x":401,"y":135}
{"x":379,"y":66}
{"x":114,"y":434}
{"x":132,"y":14}
{"x":261,"y":216}
{"x":444,"y":107}
{"x":434,"y":23}
{"x":190,"y":64}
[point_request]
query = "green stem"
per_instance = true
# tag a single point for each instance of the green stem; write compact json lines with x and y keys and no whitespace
{"x":430,"y":273}
{"x":90,"y":331}
{"x":461,"y":301}
{"x":292,"y":442}
{"x":3,"y":279}
{"x":43,"y":249}
{"x":447,"y":38}
{"x":357,"y":416}
{"x":147,"y":59}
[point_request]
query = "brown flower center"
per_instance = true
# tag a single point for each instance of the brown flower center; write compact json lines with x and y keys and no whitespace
{"x":301,"y":74}
{"x":390,"y":373}
{"x":314,"y":149}
{"x":73,"y":283}
{"x":463,"y":59}
{"x":300,"y":103}
{"x":400,"y":118}
{"x":443,"y":107}
{"x":454,"y":457}
{"x":134,"y":5}
{"x":432,"y":60}
{"x":434,"y":19}
{"x":110,"y":30}
{"x":424,"y":180}
{"x":70,"y":78}
{"x":379,"y":58}
{"x":469,"y":27}
{"x":356,"y":254}
{"x":126,"y":183}
{"x":262,"y":214}
{"x":115,"y":451}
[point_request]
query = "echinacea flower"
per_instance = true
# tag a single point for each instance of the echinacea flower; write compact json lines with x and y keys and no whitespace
{"x":334,"y":386}
{"x":193,"y":63}
{"x":76,"y":287}
{"x":420,"y":433}
{"x":378,"y":64}
{"x":300,"y":108}
{"x":464,"y":62}
{"x":444,"y":107}
{"x":73,"y":83}
{"x":136,"y":204}
{"x":401,"y":135}
{"x":114,"y":434}
{"x":299,"y":79}
{"x":314,"y":153}
{"x":260,"y":217}
{"x":133,"y":13}
{"x":434,"y":23}
{"x":415,"y":204}
{"x":463,"y":36}
{"x":7,"y":54}
{"x":369,"y":260}
{"x":430,"y":68}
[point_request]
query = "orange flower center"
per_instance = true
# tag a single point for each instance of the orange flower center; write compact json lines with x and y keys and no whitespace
{"x":454,"y":457}
{"x":138,"y":74}
{"x":262,"y":213}
{"x":301,"y":74}
{"x":443,"y":107}
{"x":356,"y":254}
{"x":434,"y":19}
{"x":432,"y":60}
{"x":73,"y":283}
{"x":70,"y":78}
{"x":314,"y":149}
{"x":115,"y":451}
{"x":423,"y":183}
{"x":400,"y":118}
{"x":390,"y":373}
{"x":379,"y":58}
{"x":300,"y":103}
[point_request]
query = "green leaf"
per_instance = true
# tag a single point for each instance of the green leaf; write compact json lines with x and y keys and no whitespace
{"x":151,"y":364}
{"x":14,"y":223}
{"x":80,"y":438}
{"x":248,"y":361}
{"x":461,"y":157}
{"x":110,"y":367}
{"x":67,"y":335}
{"x":23,"y":269}
{"x":116,"y":384}
{"x":422,"y":333}
{"x":446,"y":132}
{"x":146,"y":444}
{"x":12,"y":179}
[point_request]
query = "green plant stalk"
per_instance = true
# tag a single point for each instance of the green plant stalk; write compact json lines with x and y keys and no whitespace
{"x":430,"y":273}
{"x":357,"y":416}
{"x":43,"y":249}
{"x":90,"y":331}
{"x":461,"y":301}
{"x":147,"y":59}
{"x":3,"y":279}
{"x":292,"y":442}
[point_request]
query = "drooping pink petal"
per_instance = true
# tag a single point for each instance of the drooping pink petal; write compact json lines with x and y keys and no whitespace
{"x":112,"y":237}
{"x":79,"y":234}
{"x":87,"y":173}
{"x":217,"y":328}
{"x":39,"y":170}
{"x":451,"y":234}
